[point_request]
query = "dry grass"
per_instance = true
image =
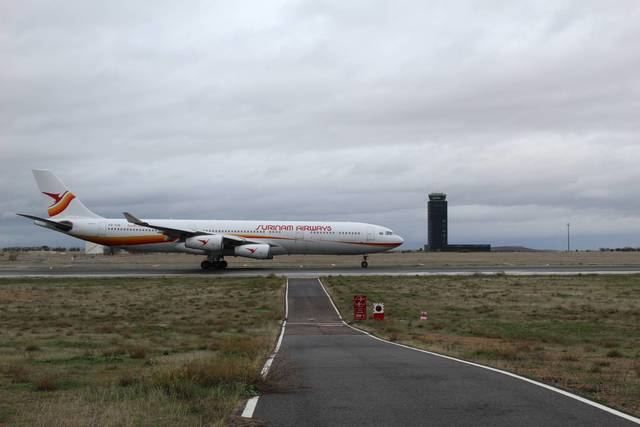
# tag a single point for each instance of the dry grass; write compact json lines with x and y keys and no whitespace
{"x":16,"y":373}
{"x":165,"y":351}
{"x":580,"y":333}
{"x":47,"y":382}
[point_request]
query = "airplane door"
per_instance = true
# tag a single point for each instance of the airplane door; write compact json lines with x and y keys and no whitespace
{"x":92,"y":229}
{"x":301,"y":243}
{"x":96,"y":229}
{"x":370,"y":234}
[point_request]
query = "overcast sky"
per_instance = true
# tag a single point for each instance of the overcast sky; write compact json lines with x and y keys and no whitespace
{"x":527,"y":114}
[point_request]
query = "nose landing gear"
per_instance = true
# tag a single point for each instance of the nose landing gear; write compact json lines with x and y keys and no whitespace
{"x":364,"y":263}
{"x":214,"y":263}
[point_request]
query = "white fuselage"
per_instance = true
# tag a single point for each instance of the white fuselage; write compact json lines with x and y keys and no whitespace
{"x":284,"y":237}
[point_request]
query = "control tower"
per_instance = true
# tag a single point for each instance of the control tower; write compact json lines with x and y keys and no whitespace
{"x":437,"y":221}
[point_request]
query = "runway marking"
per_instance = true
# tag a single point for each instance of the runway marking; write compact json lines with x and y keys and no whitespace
{"x":250,"y":407}
{"x":316,"y":324}
{"x":477,"y":365}
{"x":251,"y":404}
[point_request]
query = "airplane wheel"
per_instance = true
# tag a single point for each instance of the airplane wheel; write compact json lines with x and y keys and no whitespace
{"x":205,"y":265}
{"x":223,"y":264}
{"x":364,"y":264}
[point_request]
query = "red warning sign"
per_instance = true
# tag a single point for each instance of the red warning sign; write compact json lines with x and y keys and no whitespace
{"x":359,"y":307}
{"x":378,"y":311}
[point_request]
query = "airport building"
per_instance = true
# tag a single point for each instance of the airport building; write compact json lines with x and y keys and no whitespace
{"x":91,"y":248}
{"x":437,"y":228}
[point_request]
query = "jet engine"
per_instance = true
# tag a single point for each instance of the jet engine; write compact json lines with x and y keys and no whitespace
{"x":257,"y":251}
{"x":211,"y":243}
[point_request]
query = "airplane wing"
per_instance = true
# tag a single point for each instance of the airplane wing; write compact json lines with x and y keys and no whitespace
{"x":184,"y":233}
{"x":171,"y":232}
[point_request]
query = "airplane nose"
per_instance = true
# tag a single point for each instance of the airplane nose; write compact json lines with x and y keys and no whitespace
{"x":400,"y":240}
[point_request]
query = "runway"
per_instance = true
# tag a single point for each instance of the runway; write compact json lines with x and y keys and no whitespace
{"x":330,"y":374}
{"x":96,"y":270}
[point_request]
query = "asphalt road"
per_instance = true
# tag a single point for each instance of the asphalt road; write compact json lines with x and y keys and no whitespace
{"x":328,"y":374}
{"x":96,"y":270}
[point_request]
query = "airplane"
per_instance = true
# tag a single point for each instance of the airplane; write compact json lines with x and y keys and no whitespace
{"x":214,"y":239}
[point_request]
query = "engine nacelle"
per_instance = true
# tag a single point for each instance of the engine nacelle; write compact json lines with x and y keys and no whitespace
{"x":210,"y":243}
{"x":257,"y":251}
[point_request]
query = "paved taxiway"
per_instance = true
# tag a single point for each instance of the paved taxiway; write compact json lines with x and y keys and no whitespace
{"x":89,"y":270}
{"x":331,"y":374}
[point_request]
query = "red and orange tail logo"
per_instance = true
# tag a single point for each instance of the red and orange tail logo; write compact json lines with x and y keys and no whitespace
{"x":60,"y":202}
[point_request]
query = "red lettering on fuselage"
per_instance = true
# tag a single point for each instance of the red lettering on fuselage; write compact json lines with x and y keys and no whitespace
{"x":277,"y":227}
{"x":313,"y":228}
{"x":290,"y":227}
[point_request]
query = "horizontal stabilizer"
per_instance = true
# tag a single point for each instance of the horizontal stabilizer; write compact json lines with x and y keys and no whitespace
{"x":62,"y":225}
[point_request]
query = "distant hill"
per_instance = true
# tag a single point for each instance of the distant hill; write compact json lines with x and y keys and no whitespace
{"x":514,"y":249}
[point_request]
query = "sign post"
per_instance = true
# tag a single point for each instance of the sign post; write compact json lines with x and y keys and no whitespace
{"x":378,"y":311}
{"x":359,"y":307}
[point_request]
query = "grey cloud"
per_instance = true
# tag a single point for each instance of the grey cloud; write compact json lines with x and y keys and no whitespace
{"x":525,"y":113}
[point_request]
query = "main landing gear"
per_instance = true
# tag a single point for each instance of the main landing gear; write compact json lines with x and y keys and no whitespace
{"x":364,"y":263}
{"x":214,"y":264}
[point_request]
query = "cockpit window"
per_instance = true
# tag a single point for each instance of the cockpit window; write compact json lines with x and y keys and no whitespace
{"x":389,"y":233}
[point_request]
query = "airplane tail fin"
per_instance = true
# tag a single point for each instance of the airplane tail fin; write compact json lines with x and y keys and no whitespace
{"x":60,"y":201}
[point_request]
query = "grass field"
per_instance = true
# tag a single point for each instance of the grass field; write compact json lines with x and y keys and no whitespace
{"x":579,"y":333}
{"x":175,"y":351}
{"x":185,"y":351}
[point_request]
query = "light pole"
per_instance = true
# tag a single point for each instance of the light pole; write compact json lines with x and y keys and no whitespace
{"x":568,"y":237}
